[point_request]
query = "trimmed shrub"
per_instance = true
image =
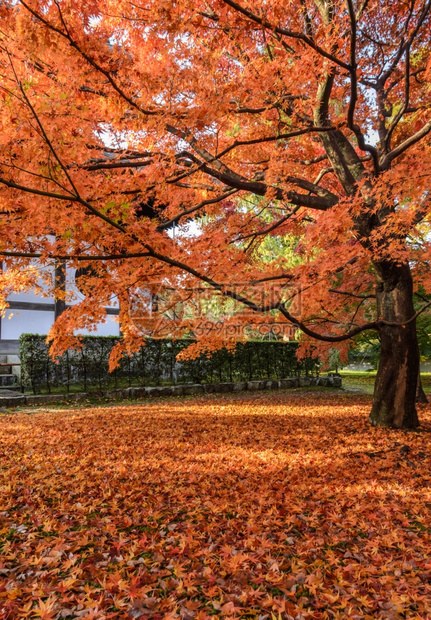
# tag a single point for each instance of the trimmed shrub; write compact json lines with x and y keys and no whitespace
{"x":155,"y":364}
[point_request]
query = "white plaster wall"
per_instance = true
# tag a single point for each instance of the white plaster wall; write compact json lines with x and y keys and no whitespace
{"x":17,"y":322}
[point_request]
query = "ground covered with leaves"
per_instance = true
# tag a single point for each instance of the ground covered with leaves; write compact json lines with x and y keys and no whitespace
{"x":258,"y":506}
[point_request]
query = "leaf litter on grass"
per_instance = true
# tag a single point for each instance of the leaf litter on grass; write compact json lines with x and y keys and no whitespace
{"x":269,"y":506}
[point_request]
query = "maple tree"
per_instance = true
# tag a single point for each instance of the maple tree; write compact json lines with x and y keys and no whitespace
{"x":271,"y":506}
{"x":306,"y":120}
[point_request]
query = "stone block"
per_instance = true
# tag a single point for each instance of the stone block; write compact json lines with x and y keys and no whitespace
{"x":240,"y":386}
{"x":211,"y":388}
{"x":271,"y":385}
{"x":224,"y":387}
{"x":304,"y":382}
{"x":12,"y":401}
{"x":193,"y":389}
{"x":164,"y":390}
{"x":290,"y":382}
{"x":255,"y":385}
{"x":39,"y":399}
{"x":77,"y":396}
{"x":137,"y":392}
{"x":177,"y":390}
{"x":114,"y":394}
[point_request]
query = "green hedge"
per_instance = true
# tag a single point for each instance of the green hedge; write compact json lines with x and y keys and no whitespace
{"x":154,"y":364}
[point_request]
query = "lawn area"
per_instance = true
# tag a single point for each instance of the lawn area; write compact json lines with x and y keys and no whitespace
{"x":359,"y":380}
{"x":364,"y":380}
{"x":262,"y":506}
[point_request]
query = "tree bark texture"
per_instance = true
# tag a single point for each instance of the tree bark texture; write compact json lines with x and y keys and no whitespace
{"x":394,"y":403}
{"x":421,"y":397}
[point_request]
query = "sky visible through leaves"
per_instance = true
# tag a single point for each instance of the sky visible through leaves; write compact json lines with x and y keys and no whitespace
{"x":267,"y":506}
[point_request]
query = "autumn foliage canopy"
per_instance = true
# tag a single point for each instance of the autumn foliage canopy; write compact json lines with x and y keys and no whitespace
{"x":287,"y":143}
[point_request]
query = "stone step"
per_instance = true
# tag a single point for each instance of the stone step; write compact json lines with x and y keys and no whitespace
{"x":11,"y":398}
{"x":5,"y":370}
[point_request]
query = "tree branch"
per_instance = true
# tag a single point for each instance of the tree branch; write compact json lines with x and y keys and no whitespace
{"x":41,"y":127}
{"x":74,"y":256}
{"x":403,"y":108}
{"x":334,"y":290}
{"x":287,"y":33}
{"x":324,"y":338}
{"x":270,"y":228}
{"x":397,"y":151}
{"x":204,"y":203}
{"x":90,"y":60}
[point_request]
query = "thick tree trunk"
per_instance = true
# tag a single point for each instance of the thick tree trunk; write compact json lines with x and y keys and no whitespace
{"x":394,"y":404}
{"x":421,"y":397}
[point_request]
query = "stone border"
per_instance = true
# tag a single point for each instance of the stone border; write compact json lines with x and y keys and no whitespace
{"x":176,"y":390}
